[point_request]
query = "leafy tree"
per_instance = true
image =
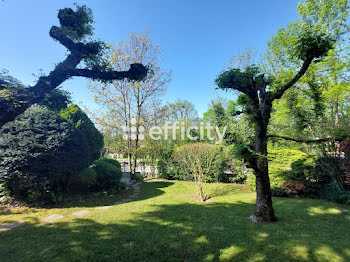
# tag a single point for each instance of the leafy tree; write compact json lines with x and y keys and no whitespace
{"x":199,"y":159}
{"x":82,"y":122}
{"x":317,"y":106}
{"x":181,"y":110}
{"x":74,"y":34}
{"x":260,"y":91}
{"x":130,"y":104}
{"x":39,"y":153}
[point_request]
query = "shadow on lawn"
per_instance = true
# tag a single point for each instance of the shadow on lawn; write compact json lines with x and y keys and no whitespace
{"x":153,"y":190}
{"x":186,"y":232}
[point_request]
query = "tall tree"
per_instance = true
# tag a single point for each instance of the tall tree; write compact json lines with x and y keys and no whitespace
{"x":128,"y":102}
{"x":73,"y":33}
{"x":298,"y":47}
{"x":255,"y":85}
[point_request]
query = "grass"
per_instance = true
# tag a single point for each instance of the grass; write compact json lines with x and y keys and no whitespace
{"x":167,"y":223}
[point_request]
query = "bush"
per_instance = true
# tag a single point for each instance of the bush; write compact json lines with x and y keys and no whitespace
{"x":291,"y":172}
{"x":39,"y":153}
{"x":138,"y":177}
{"x":85,"y":181}
{"x":107,"y":174}
{"x":111,"y":161}
{"x":82,"y":122}
{"x":169,"y":168}
{"x":121,"y":185}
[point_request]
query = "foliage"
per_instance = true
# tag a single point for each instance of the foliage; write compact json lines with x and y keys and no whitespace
{"x":121,"y":186}
{"x":130,"y":104}
{"x":198,"y":158}
{"x":107,"y":174}
{"x":329,"y":166}
{"x":312,"y":45}
{"x":39,"y":153}
{"x":82,"y":122}
{"x":291,"y":172}
{"x":345,"y":163}
{"x":111,"y":161}
{"x":181,"y":110}
{"x":57,"y":100}
{"x":104,"y":175}
{"x":138,"y":177}
{"x":84,"y":182}
{"x":332,"y":192}
{"x":74,"y":34}
{"x":76,"y":24}
{"x":291,"y":53}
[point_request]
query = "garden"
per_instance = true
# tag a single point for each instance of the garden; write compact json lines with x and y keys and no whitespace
{"x":145,"y":170}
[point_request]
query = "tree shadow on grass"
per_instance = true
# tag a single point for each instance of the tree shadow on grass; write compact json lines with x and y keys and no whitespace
{"x":153,"y":190}
{"x":185,"y":232}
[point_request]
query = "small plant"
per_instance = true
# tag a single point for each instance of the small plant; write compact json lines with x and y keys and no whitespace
{"x":199,"y":159}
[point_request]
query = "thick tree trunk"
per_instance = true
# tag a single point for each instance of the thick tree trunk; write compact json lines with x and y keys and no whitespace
{"x":263,"y":211}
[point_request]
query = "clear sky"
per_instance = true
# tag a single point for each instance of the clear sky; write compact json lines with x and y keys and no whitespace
{"x":197,"y":37}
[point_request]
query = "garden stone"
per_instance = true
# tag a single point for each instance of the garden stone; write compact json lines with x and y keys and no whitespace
{"x":81,"y":213}
{"x":52,"y":218}
{"x":103,"y":207}
{"x":9,"y":226}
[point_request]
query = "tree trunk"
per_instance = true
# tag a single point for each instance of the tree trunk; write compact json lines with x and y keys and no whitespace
{"x":130,"y":163}
{"x":336,"y":107}
{"x":263,"y":211}
{"x":202,"y":196}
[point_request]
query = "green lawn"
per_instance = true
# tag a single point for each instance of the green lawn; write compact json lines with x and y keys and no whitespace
{"x":167,"y":223}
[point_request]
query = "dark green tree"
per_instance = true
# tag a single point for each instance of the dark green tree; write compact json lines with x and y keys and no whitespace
{"x":82,"y":122}
{"x":39,"y":153}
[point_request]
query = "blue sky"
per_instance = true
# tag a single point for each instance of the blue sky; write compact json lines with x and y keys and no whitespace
{"x":197,"y":37}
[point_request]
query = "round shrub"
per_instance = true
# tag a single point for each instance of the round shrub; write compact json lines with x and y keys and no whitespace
{"x":39,"y":153}
{"x":107,"y":175}
{"x":82,"y":122}
{"x":111,"y":161}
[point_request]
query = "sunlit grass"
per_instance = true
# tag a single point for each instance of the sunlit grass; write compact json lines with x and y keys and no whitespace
{"x":167,"y":223}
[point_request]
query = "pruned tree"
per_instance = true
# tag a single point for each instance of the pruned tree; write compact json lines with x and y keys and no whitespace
{"x":255,"y":86}
{"x":74,"y":34}
{"x":199,"y":159}
{"x":292,"y":52}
